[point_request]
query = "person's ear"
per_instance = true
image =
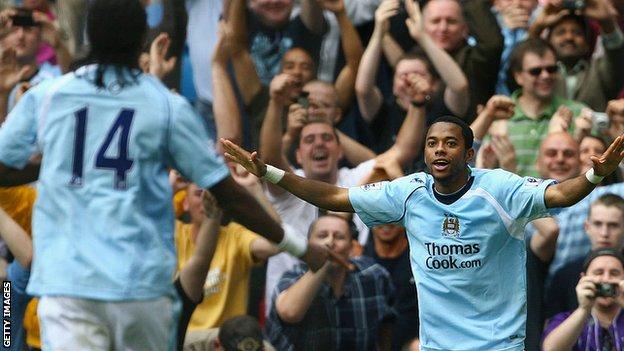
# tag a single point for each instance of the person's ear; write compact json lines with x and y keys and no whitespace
{"x":470,"y":155}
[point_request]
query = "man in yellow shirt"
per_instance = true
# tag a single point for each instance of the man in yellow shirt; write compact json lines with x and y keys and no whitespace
{"x":226,"y":288}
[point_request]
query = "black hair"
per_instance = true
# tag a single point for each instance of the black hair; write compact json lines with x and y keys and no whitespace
{"x":116,"y":30}
{"x":241,"y":333}
{"x":602,"y":252}
{"x":580,"y":20}
{"x":467,"y":133}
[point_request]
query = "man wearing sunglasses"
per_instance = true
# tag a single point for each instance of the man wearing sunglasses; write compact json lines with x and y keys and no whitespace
{"x":533,"y":66}
{"x":591,"y":80}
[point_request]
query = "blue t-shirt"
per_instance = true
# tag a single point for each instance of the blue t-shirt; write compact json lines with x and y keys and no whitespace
{"x":468,"y":257}
{"x":103,"y":220}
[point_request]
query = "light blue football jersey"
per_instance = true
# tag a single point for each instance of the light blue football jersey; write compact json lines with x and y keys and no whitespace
{"x":468,"y":257}
{"x":103,"y":220}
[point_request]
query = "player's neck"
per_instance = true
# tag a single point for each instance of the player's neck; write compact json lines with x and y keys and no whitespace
{"x":390,"y":249}
{"x":450,"y":186}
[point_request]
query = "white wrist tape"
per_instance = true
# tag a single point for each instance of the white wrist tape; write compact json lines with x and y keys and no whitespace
{"x":292,"y":243}
{"x":592,"y":178}
{"x":273,"y":174}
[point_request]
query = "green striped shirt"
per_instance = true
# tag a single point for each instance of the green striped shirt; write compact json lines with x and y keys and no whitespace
{"x":526,"y":134}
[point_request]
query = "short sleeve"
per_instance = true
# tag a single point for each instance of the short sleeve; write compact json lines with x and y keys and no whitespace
{"x":523,"y":197}
{"x":190,"y":150}
{"x":244,"y":237}
{"x":18,"y":134}
{"x":554,"y":322}
{"x":382,"y":202}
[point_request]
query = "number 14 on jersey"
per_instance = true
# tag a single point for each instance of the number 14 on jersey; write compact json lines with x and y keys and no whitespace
{"x":120,"y":164}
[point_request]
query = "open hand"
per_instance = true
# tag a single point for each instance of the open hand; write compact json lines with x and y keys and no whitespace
{"x":609,"y":161}
{"x":414,"y":22}
{"x":250,"y":161}
{"x":159,"y":66}
{"x":10,"y":71}
{"x":386,"y":9}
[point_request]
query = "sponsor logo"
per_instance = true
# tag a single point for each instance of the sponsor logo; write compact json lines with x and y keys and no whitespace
{"x":372,"y":186}
{"x":532,"y":182}
{"x":450,"y":226}
{"x":454,"y":256}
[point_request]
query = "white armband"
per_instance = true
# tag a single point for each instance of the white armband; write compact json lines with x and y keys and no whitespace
{"x":273,"y":174}
{"x":292,"y":243}
{"x":592,"y":178}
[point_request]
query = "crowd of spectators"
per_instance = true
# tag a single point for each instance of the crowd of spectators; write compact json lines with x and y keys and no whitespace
{"x":342,"y":91}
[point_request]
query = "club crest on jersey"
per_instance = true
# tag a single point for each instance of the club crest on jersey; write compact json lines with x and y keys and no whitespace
{"x":450,"y":225}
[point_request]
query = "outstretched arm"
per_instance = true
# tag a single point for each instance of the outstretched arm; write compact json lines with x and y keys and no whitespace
{"x":574,"y":190}
{"x":246,"y":211}
{"x":320,"y":194}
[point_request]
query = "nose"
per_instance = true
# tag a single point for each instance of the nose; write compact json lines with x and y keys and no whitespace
{"x":560,"y":158}
{"x":439,"y":149}
{"x":443,"y":25}
{"x":603,"y":231}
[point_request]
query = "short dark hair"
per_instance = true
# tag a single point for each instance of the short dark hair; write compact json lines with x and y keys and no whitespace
{"x":535,"y":46}
{"x":467,"y":133}
{"x":241,"y":333}
{"x":580,"y":20}
{"x":116,"y":31}
{"x":602,"y":252}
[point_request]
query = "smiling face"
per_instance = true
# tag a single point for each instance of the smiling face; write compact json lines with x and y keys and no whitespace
{"x":568,"y":39}
{"x":558,"y":157}
{"x":319,"y":152}
{"x":446,"y":156}
{"x":444,"y":22}
{"x":272,"y":13}
{"x":538,"y":75}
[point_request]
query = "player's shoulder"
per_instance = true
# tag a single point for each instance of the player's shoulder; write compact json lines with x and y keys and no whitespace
{"x":414,"y":181}
{"x":496,"y":176}
{"x":154,"y":84}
